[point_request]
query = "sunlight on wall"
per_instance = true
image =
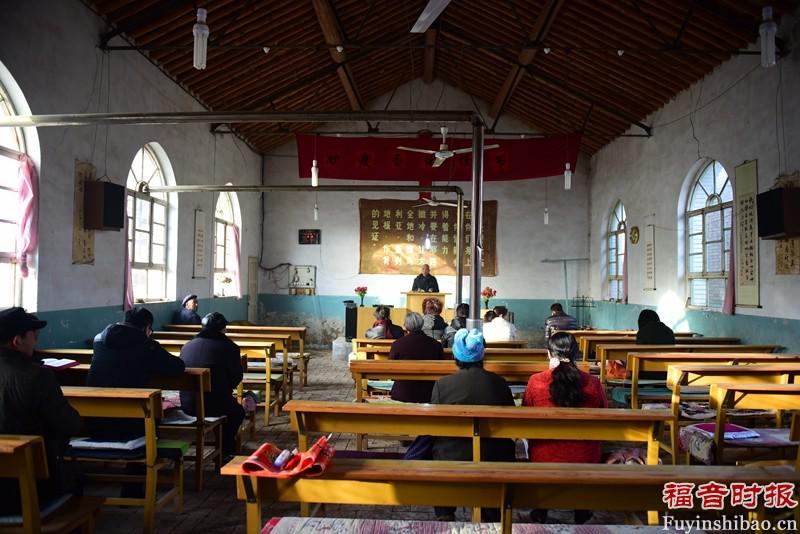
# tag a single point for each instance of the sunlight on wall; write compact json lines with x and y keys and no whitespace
{"x":672,"y":312}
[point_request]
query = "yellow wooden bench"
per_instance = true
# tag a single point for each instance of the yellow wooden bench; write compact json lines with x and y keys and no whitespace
{"x":501,"y":485}
{"x":490,"y":354}
{"x":145,"y":405}
{"x":588,"y":344}
{"x":23,"y":458}
{"x":361,"y":346}
{"x":478,"y":422}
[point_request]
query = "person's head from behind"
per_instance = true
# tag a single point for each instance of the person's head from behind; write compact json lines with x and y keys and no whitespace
{"x":648,"y":316}
{"x":431,"y":306}
{"x":566,"y":388}
{"x":426,"y":269}
{"x":489,"y":316}
{"x":468,"y":348}
{"x":190,"y":302}
{"x":382,"y":313}
{"x":19,"y":330}
{"x":501,"y":311}
{"x":413,"y":322}
{"x":141,"y":319}
{"x":215,"y":322}
{"x":462,"y":310}
{"x":556,"y":308}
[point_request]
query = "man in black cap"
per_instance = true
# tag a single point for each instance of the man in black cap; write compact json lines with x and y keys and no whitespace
{"x":31,"y":403}
{"x":211,"y":348}
{"x":188,"y":313}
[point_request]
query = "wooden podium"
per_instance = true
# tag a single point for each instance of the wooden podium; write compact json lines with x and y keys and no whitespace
{"x":414,"y":300}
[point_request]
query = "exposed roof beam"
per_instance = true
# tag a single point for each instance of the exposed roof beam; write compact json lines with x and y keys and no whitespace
{"x":661,"y":37}
{"x":144,"y":18}
{"x":677,"y":42}
{"x":539,"y":31}
{"x":430,"y":56}
{"x":743,"y":24}
{"x":333,"y":36}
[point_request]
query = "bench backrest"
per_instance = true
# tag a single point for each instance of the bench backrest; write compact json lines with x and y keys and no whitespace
{"x":282,"y":341}
{"x":705,"y":374}
{"x":588,"y":344}
{"x":23,"y":458}
{"x":381,"y":352}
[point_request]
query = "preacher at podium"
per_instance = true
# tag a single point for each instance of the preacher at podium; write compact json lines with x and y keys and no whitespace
{"x":425,"y":281}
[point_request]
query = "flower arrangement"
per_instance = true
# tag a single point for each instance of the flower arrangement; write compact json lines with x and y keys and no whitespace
{"x":487,"y":293}
{"x":361,"y":291}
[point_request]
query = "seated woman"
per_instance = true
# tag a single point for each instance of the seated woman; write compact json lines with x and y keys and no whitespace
{"x":499,"y":328}
{"x":415,"y":346}
{"x":434,"y":324}
{"x":564,"y":385}
{"x":652,"y":331}
{"x":458,"y":322}
{"x":383,"y":328}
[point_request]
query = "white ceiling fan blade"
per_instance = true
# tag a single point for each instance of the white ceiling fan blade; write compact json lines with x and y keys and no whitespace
{"x":420,"y":150}
{"x":428,"y":15}
{"x":489,"y":147}
{"x":466,"y":150}
{"x":438,"y":162}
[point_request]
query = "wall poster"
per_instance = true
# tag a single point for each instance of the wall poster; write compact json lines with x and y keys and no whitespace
{"x":82,"y":239}
{"x":394,"y":233}
{"x":199,"y":270}
{"x":745,"y":250}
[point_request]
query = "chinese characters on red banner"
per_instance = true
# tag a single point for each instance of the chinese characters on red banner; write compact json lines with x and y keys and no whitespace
{"x":713,"y":496}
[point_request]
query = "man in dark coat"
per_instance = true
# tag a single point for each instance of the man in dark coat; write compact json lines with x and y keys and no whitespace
{"x":31,"y":403}
{"x":652,"y":331}
{"x":211,"y":348}
{"x":126,"y":357}
{"x":414,"y":346}
{"x":425,"y":281}
{"x":188,"y":312}
{"x":471,"y":385}
{"x":558,"y":320}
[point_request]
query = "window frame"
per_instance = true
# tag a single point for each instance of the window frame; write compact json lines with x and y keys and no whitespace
{"x":713,"y":204}
{"x":10,"y":258}
{"x":226,"y":244}
{"x":616,"y":230}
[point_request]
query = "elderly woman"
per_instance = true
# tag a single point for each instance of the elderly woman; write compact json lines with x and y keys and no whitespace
{"x":434,"y":324}
{"x":383,"y":327}
{"x":415,"y":346}
{"x":458,"y":322}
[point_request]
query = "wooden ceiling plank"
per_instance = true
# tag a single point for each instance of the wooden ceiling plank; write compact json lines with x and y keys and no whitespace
{"x":430,"y":56}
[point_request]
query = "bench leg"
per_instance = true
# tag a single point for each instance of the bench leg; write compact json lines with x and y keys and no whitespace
{"x":675,"y":439}
{"x":253,"y":508}
{"x":199,"y":452}
{"x":178,"y":482}
{"x":150,"y":499}
{"x":218,"y":447}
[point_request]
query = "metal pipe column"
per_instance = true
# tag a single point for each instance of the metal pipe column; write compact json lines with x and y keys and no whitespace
{"x":474,"y":321}
{"x":460,"y":251}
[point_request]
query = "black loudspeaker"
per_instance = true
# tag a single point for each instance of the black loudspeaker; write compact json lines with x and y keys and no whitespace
{"x":779,"y":213}
{"x":350,"y":319}
{"x":103,"y":206}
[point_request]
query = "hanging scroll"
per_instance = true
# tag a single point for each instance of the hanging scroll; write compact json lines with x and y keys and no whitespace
{"x":649,"y":258}
{"x":394,"y":233}
{"x":745,"y":251}
{"x":787,"y":256}
{"x":82,"y":239}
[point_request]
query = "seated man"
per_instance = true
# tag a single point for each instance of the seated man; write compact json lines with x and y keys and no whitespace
{"x":425,"y":281}
{"x":31,"y":403}
{"x":558,"y":320}
{"x":458,"y":322}
{"x":652,"y":331}
{"x":126,"y":357}
{"x":211,"y":348}
{"x":499,"y":328}
{"x":188,"y":313}
{"x":471,"y":385}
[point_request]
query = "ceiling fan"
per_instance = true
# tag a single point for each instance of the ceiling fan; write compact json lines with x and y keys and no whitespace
{"x":428,"y":15}
{"x":433,"y":203}
{"x":444,"y":151}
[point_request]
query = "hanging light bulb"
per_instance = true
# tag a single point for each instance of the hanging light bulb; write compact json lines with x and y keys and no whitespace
{"x":200,"y":32}
{"x":427,"y":242}
{"x":546,"y":211}
{"x":568,"y":177}
{"x":546,"y":50}
{"x":266,"y":49}
{"x":546,"y":216}
{"x":314,"y":174}
{"x":316,"y":211}
{"x":767,"y":31}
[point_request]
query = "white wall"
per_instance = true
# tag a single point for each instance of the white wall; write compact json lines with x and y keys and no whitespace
{"x":49,"y":47}
{"x":732,"y":124}
{"x":522,"y":239}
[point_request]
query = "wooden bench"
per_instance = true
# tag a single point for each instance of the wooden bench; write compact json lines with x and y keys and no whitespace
{"x":79,"y":355}
{"x":432,"y":370}
{"x":620,"y":351}
{"x":364,"y":345}
{"x":478,"y":422}
{"x":144,"y":405}
{"x":754,"y":396}
{"x":273,"y":380}
{"x":588,"y":344}
{"x":698,"y":378}
{"x":488,"y":484}
{"x":297,"y":333}
{"x":579,"y":335}
{"x":490,"y":354}
{"x":23,"y":458}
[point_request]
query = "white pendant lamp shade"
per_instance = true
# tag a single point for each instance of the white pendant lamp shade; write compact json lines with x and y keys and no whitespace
{"x":316,"y":212}
{"x":568,"y":177}
{"x":200,"y":32}
{"x":767,"y":32}
{"x":546,"y":216}
{"x":314,"y":174}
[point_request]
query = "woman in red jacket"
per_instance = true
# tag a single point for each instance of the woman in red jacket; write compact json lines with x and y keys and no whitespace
{"x":564,"y":385}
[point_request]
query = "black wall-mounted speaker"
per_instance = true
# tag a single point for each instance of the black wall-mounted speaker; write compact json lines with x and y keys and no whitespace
{"x":103,"y":206}
{"x":779,"y":213}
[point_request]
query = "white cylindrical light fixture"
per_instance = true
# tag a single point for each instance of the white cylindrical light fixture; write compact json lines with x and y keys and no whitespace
{"x":200,"y":32}
{"x":427,"y":242}
{"x":546,"y":216}
{"x":316,"y":212}
{"x":568,"y":177}
{"x":767,"y":31}
{"x":314,"y":174}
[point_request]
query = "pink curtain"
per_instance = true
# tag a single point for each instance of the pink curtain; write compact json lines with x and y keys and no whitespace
{"x":625,"y":271}
{"x":28,"y":220}
{"x":127,"y":299}
{"x":729,"y":304}
{"x":237,"y":279}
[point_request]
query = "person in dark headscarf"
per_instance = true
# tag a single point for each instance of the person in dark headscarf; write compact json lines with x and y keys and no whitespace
{"x":652,"y":331}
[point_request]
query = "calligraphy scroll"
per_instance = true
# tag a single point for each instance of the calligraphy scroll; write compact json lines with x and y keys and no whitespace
{"x":394,"y":233}
{"x":746,"y":234}
{"x":649,"y":258}
{"x":787,"y":256}
{"x":199,"y":270}
{"x":82,"y":239}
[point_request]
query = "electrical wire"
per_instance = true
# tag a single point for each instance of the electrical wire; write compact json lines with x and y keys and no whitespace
{"x":691,"y":119}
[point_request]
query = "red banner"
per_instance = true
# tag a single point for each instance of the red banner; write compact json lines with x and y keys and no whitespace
{"x":378,"y":158}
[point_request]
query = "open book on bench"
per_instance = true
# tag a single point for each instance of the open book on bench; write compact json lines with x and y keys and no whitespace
{"x":59,"y":363}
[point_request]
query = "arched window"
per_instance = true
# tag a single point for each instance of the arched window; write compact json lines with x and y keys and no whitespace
{"x":615,"y":237}
{"x":708,"y":236}
{"x":12,"y":146}
{"x":226,"y":259}
{"x":147,"y":228}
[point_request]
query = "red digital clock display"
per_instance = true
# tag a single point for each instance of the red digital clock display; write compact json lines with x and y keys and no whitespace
{"x":310,"y":237}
